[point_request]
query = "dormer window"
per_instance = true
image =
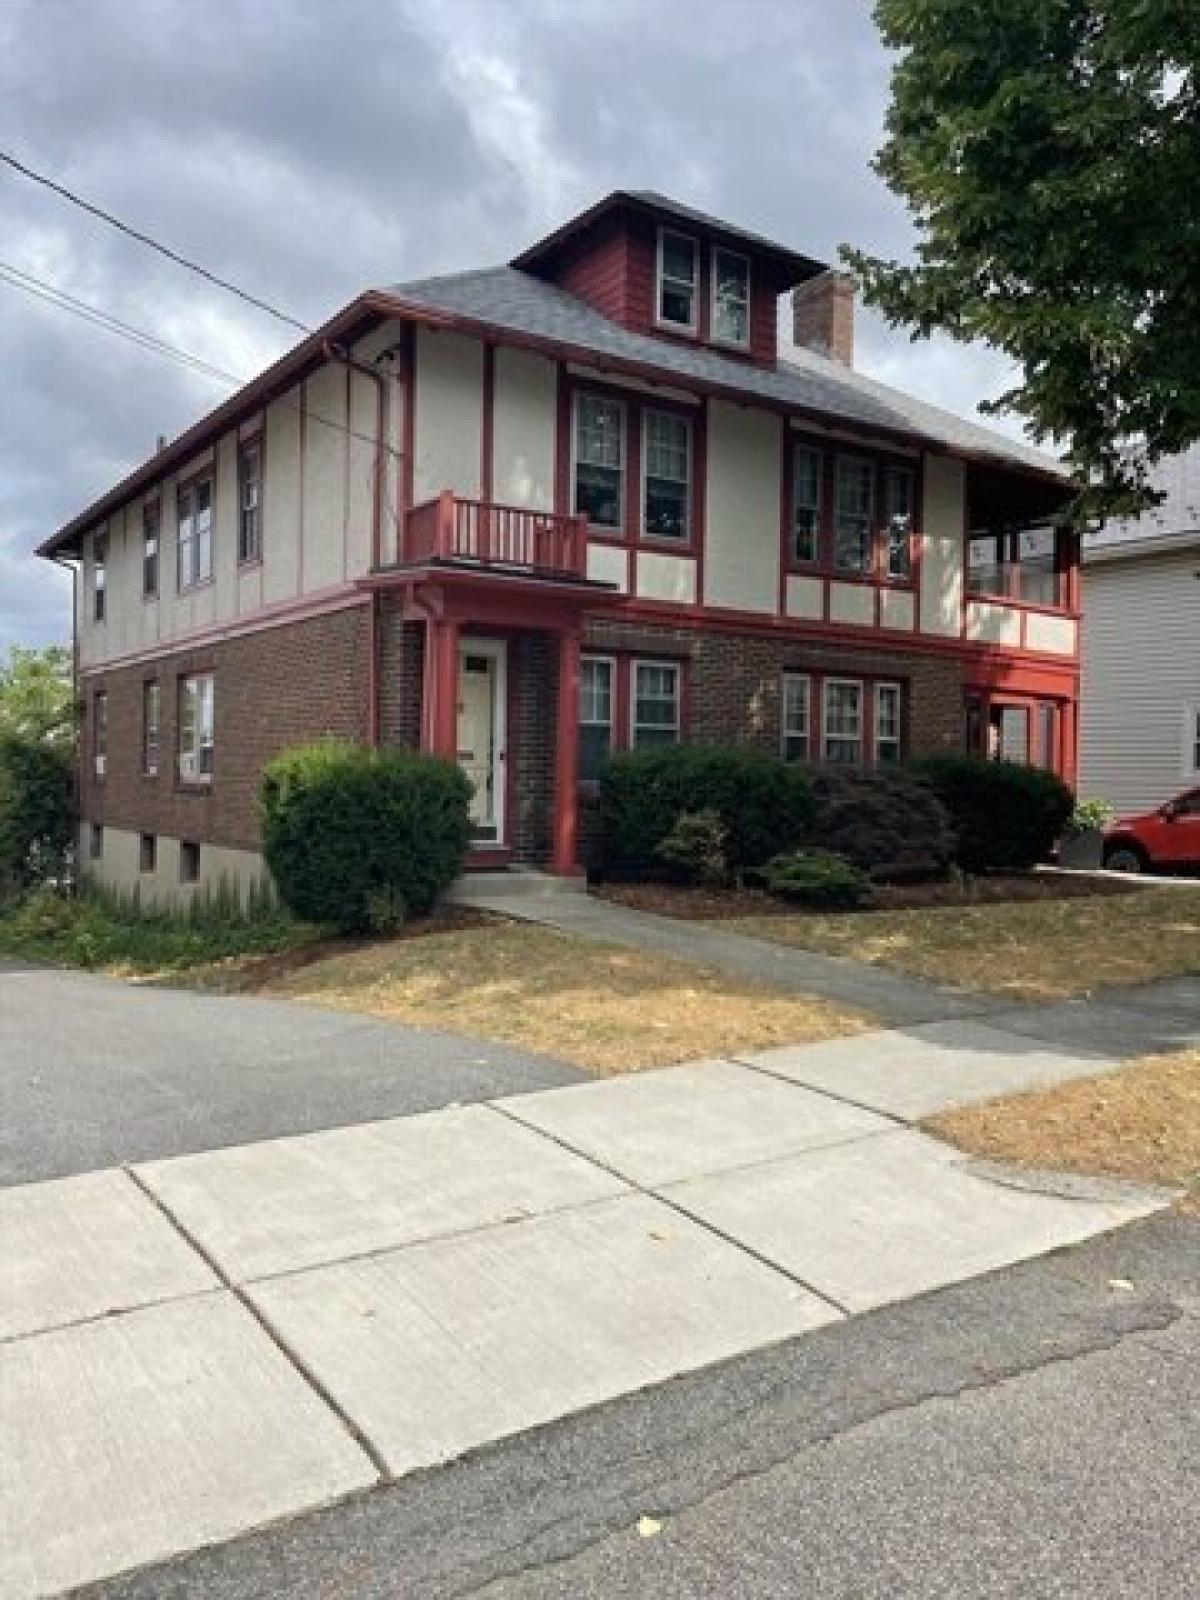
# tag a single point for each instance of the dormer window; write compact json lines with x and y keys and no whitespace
{"x":730,"y":297}
{"x":678,"y":273}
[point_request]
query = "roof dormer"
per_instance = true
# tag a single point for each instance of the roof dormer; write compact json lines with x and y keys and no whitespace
{"x":661,"y":268}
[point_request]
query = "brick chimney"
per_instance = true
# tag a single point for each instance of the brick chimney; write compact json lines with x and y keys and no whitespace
{"x":823,"y":316}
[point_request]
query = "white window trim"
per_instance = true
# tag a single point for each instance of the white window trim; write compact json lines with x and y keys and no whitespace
{"x":149,"y":769}
{"x":890,"y":472}
{"x":1189,"y":766}
{"x":190,"y":765}
{"x":668,"y":541}
{"x":800,"y":448}
{"x":250,"y":446}
{"x":196,"y":579}
{"x":785,"y":733}
{"x":100,"y":732}
{"x":600,"y":530}
{"x":844,"y":738}
{"x":665,"y":322}
{"x":658,"y":663}
{"x":876,"y":739}
{"x":595,"y":656}
{"x":868,"y":570}
{"x":718,"y":338}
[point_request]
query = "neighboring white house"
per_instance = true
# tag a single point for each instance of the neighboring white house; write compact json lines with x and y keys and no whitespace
{"x":1140,"y":694}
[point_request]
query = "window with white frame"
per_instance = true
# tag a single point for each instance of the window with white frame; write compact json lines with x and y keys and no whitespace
{"x":889,"y":701}
{"x":898,"y":511}
{"x":852,"y":514}
{"x":677,"y":280}
{"x":655,"y":703}
{"x":1191,"y":740}
{"x":196,"y":728}
{"x":596,"y":682}
{"x":667,"y":475}
{"x":151,"y":521}
{"x":599,"y":488}
{"x":100,"y":733}
{"x":806,"y":503}
{"x":796,"y":719}
{"x":195,"y":533}
{"x":842,"y":722}
{"x":99,"y":578}
{"x":730,"y":297}
{"x":151,"y":722}
{"x":250,"y":502}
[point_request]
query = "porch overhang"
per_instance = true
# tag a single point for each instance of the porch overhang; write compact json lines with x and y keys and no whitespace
{"x":466,"y":592}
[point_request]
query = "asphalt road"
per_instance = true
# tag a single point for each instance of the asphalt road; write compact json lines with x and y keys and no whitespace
{"x":95,"y":1072}
{"x":1032,"y":1433}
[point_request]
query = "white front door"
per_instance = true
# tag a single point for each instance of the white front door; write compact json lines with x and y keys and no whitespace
{"x":482,"y":732}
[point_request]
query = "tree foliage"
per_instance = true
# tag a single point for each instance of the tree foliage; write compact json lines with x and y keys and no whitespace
{"x":36,"y":695}
{"x":1050,"y":153}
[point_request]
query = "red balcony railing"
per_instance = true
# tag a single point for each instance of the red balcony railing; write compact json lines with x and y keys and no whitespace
{"x":480,"y":533}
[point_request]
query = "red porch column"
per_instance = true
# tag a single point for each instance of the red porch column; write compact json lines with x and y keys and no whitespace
{"x":564,"y":859}
{"x":439,"y":711}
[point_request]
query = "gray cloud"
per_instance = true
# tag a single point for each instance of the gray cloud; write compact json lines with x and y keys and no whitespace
{"x":309,"y":149}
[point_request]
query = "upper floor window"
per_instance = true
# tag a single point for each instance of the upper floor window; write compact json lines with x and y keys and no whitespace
{"x":677,"y":280}
{"x":195,"y":533}
{"x":151,"y":722}
{"x":599,"y":489}
{"x":1022,"y":564}
{"x":853,"y":510}
{"x":797,"y":699}
{"x":151,"y":519}
{"x":667,"y":480}
{"x":250,"y":501}
{"x":100,"y":733}
{"x":99,"y":579}
{"x":898,"y":510}
{"x":1037,"y":566}
{"x":596,"y":701}
{"x":196,"y":728}
{"x":806,"y":503}
{"x":656,"y":708}
{"x":842,"y":721}
{"x":730,"y":297}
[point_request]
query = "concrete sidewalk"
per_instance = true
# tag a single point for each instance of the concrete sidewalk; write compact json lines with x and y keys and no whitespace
{"x":193,"y":1347}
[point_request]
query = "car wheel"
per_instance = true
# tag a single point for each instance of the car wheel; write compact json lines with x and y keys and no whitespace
{"x":1124,"y":858}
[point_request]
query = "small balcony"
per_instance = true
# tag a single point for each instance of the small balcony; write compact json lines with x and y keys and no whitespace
{"x":503,"y":539}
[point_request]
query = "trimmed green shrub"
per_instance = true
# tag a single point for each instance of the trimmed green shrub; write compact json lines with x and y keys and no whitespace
{"x":889,"y":823}
{"x":817,"y":878}
{"x":1007,"y":817}
{"x":37,"y":813}
{"x":360,"y":838}
{"x":763,"y":803}
{"x":696,"y":849}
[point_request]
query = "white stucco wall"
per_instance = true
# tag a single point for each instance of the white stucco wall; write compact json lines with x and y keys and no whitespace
{"x":805,"y":597}
{"x":670,"y":578}
{"x":1056,"y":635}
{"x":853,"y":603}
{"x":897,"y":609}
{"x":993,"y":624}
{"x":741,"y":562}
{"x":448,"y":419}
{"x":942,"y":547}
{"x":608,"y":563}
{"x":525,"y":409}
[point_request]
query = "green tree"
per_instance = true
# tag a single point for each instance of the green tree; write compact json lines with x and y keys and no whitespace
{"x":37,"y":696}
{"x":1049,"y":151}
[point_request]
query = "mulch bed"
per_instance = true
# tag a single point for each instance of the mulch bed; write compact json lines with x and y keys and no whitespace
{"x":716,"y":905}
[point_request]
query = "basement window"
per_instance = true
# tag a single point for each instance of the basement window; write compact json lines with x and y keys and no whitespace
{"x":148,"y":852}
{"x":189,"y":861}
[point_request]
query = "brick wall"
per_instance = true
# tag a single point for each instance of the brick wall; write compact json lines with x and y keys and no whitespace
{"x":533,"y":706}
{"x":273,"y":688}
{"x":401,"y":672}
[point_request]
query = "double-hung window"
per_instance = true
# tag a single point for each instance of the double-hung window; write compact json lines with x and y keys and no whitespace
{"x":151,"y":521}
{"x":656,"y":717}
{"x":667,"y":479}
{"x":595,"y":714}
{"x":852,"y":514}
{"x":797,"y":701}
{"x":730,"y":297}
{"x":100,"y":733}
{"x":196,"y":728}
{"x":985,"y":563}
{"x":1037,"y":566}
{"x":888,"y":701}
{"x":599,"y":490}
{"x":250,"y":502}
{"x":195,"y":533}
{"x":678,"y":272}
{"x":151,"y":722}
{"x":806,"y":503}
{"x":842,"y":722}
{"x":99,"y":579}
{"x":898,"y":510}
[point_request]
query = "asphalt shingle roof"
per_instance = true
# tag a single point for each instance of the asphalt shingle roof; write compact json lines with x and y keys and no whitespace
{"x":507,"y":298}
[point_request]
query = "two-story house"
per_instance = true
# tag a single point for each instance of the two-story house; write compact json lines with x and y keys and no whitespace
{"x":529,"y":515}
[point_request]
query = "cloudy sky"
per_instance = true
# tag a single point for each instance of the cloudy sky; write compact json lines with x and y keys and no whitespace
{"x":309,"y":148}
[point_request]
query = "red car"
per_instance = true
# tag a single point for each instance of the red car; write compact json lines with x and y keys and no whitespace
{"x":1161,"y":840}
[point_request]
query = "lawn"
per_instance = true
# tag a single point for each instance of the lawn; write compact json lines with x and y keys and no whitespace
{"x":1140,"y":1122}
{"x":1048,"y":949}
{"x":602,"y":1007}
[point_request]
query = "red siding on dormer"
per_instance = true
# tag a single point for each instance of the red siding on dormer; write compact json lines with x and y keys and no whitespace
{"x":595,"y":267}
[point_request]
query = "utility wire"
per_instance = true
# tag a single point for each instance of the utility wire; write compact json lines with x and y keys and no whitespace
{"x":145,"y":238}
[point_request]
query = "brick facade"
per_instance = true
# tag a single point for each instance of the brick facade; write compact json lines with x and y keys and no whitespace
{"x":273,"y":688}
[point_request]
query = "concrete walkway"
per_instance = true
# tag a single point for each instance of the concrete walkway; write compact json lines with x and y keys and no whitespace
{"x":193,"y":1347}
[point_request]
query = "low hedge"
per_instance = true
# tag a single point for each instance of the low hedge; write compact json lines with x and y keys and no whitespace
{"x":763,"y":804}
{"x":890,"y":823}
{"x":1007,"y":817}
{"x":819,"y":879}
{"x":361,"y":838}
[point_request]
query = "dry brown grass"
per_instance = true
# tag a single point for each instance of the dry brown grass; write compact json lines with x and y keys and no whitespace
{"x":1140,"y":1122}
{"x":1040,"y":950}
{"x":599,"y":1006}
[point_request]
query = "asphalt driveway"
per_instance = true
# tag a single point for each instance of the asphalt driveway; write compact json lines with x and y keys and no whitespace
{"x":95,"y":1072}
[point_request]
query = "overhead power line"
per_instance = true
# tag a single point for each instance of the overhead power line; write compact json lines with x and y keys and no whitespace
{"x":154,"y":244}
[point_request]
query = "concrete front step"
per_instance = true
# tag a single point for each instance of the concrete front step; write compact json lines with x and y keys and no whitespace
{"x":486,"y":888}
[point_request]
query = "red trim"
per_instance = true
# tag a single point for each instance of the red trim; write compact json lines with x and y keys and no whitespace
{"x":300,"y":472}
{"x":566,"y":759}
